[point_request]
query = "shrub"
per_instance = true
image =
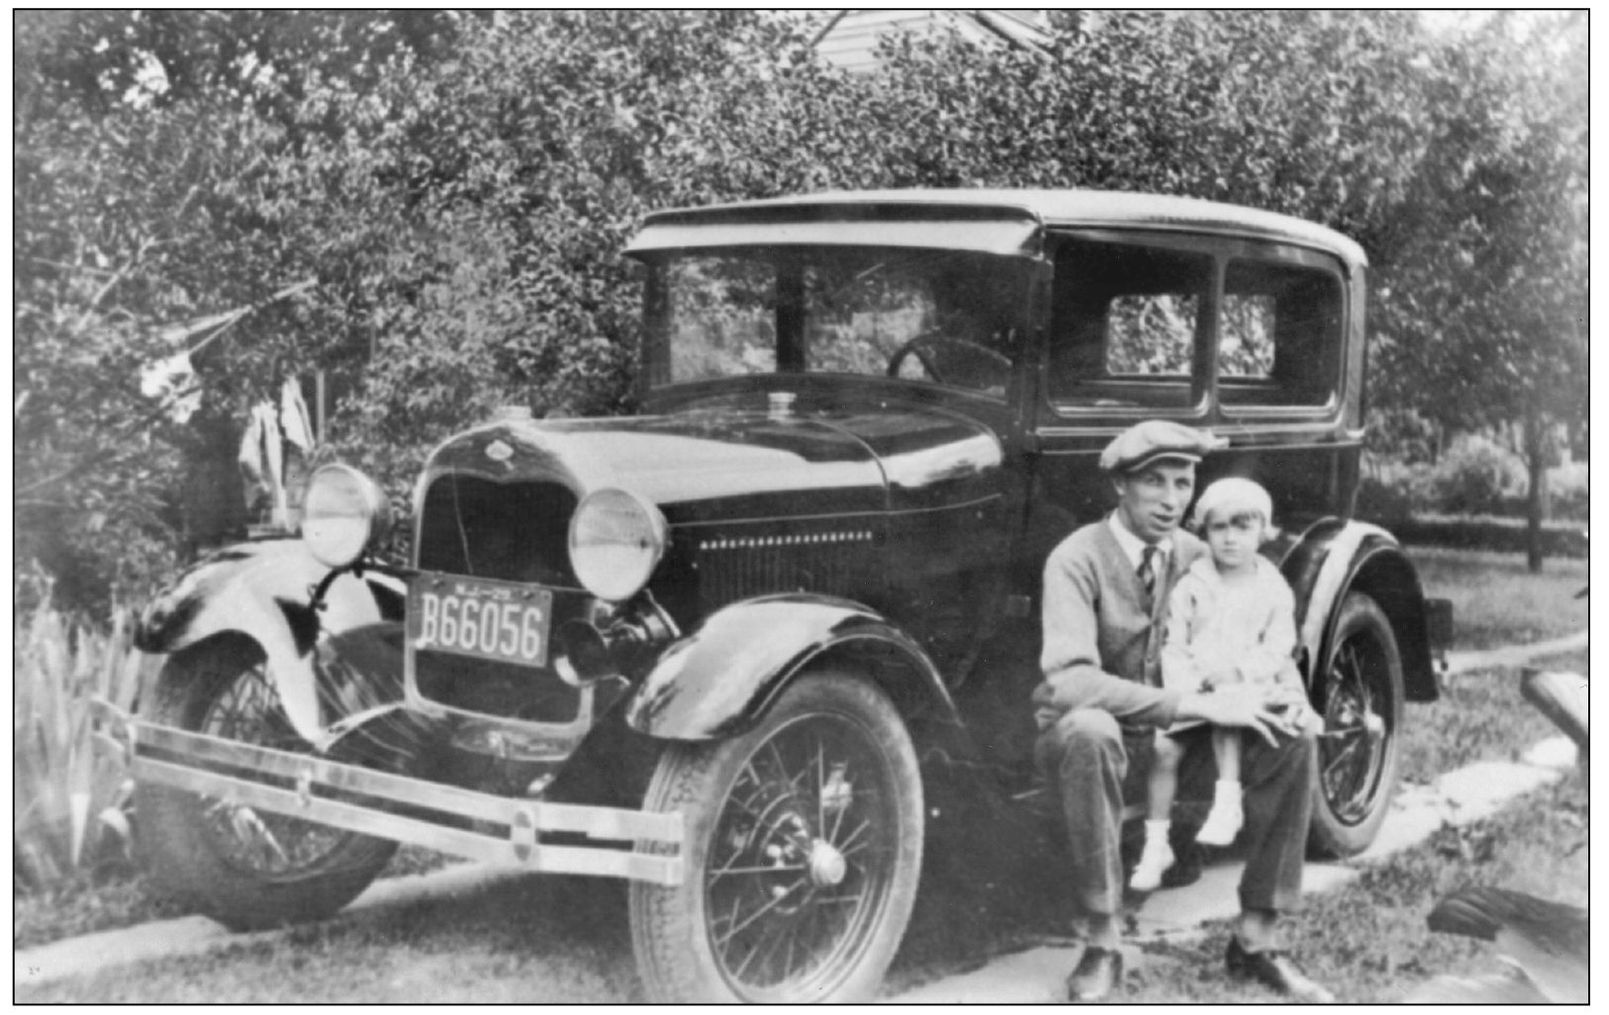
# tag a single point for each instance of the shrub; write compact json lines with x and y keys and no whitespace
{"x":1487,"y":532}
{"x":1399,"y":433}
{"x":1390,"y":490}
{"x":1567,"y":485}
{"x":69,"y":791}
{"x":1475,"y":476}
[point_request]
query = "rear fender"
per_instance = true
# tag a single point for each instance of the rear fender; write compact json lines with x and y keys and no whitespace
{"x":263,"y":590}
{"x":721,"y":679}
{"x":1335,"y":557}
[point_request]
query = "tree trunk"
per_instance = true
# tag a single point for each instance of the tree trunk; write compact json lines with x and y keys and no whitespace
{"x":1535,"y":495}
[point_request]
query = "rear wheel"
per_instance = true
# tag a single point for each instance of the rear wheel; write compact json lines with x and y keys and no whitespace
{"x":247,"y":869}
{"x":1360,"y":698}
{"x":803,"y":844}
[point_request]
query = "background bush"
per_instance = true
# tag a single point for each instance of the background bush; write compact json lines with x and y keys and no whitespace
{"x":1567,"y":485}
{"x":1476,"y":476}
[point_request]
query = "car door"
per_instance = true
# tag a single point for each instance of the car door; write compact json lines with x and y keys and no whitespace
{"x":1129,"y":338}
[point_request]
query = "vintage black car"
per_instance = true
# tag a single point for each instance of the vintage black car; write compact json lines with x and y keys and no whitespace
{"x":712,"y":648}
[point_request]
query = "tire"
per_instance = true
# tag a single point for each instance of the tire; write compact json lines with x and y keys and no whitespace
{"x":1356,"y":771}
{"x":246,"y":870}
{"x":820,"y":809}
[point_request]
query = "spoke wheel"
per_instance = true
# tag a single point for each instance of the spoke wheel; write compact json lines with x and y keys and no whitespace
{"x":1361,"y":700}
{"x":244,"y":867}
{"x":803,"y":850}
{"x":260,"y":843}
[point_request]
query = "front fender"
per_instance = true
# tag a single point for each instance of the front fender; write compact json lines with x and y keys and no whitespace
{"x":721,"y":679}
{"x":1335,"y":557}
{"x":263,"y":590}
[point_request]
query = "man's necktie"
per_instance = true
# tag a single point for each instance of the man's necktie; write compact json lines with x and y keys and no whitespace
{"x":1147,"y":570}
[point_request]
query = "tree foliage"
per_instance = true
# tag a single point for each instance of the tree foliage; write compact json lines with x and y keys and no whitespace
{"x":458,"y":188}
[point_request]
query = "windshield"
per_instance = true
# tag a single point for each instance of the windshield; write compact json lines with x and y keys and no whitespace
{"x":943,"y":317}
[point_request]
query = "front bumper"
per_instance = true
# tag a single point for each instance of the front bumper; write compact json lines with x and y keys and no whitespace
{"x":440,"y":817}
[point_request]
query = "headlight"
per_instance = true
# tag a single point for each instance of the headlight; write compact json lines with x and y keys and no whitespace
{"x":616,"y":540}
{"x":342,"y":514}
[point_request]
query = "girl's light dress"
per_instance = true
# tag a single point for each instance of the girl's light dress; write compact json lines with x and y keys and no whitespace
{"x":1219,"y":633}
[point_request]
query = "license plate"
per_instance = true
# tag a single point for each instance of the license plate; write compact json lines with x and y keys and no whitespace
{"x":505,"y":621}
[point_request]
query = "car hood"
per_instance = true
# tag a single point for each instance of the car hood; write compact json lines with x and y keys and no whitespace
{"x":725,"y":465}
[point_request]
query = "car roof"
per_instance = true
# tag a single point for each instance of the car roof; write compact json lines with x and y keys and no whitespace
{"x":1064,"y":208}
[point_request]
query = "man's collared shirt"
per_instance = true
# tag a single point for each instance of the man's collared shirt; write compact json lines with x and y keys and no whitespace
{"x":1134,"y":547}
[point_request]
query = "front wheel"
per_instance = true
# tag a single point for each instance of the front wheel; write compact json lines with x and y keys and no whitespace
{"x":244,"y":868}
{"x":803,"y":845}
{"x":1360,"y":696}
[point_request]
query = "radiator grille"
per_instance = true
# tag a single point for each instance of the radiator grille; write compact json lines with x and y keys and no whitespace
{"x":492,"y":688}
{"x":512,"y":531}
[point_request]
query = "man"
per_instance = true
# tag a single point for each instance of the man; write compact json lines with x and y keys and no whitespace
{"x":1106,"y":588}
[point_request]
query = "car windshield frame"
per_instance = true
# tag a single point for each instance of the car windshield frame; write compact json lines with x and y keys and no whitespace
{"x":955,"y":318}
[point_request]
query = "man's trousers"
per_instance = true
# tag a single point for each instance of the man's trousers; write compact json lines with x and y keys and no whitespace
{"x":1086,"y":759}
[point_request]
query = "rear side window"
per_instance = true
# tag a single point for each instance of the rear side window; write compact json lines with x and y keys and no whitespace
{"x":1126,"y":325}
{"x":1279,"y":335}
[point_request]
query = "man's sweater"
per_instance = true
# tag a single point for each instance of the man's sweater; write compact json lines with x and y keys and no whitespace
{"x":1102,"y":639}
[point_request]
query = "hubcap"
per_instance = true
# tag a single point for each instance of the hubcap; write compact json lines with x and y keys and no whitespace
{"x":827,"y":864}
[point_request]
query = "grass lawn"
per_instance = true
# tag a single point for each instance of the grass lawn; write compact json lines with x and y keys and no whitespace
{"x":557,"y":939}
{"x":1368,"y":941}
{"x":1481,"y":716}
{"x":548,"y":939}
{"x":118,"y":896}
{"x":1001,"y":894}
{"x":1496,"y":601}
{"x":562,"y":940}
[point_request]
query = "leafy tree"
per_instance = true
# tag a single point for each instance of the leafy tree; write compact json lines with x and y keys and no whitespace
{"x":457,"y":189}
{"x":134,"y":218}
{"x":101,"y":60}
{"x":1483,"y":310}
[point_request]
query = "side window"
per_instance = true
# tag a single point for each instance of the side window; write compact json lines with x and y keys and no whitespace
{"x":1152,"y":334}
{"x":1280,"y":335}
{"x":1126,"y":322}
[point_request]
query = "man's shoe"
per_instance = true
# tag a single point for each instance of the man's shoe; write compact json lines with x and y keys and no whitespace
{"x":1275,"y":968}
{"x":1098,"y":973}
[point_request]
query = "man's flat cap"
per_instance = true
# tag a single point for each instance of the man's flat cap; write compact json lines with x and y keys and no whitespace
{"x":1144,"y":443}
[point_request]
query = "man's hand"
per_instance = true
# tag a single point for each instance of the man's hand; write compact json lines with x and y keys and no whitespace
{"x":1299,"y":716}
{"x":1261,"y":709}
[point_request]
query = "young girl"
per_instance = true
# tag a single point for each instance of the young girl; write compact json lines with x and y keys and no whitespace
{"x":1231,"y":619}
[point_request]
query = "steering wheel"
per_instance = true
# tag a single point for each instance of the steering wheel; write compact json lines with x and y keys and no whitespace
{"x":923,"y":347}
